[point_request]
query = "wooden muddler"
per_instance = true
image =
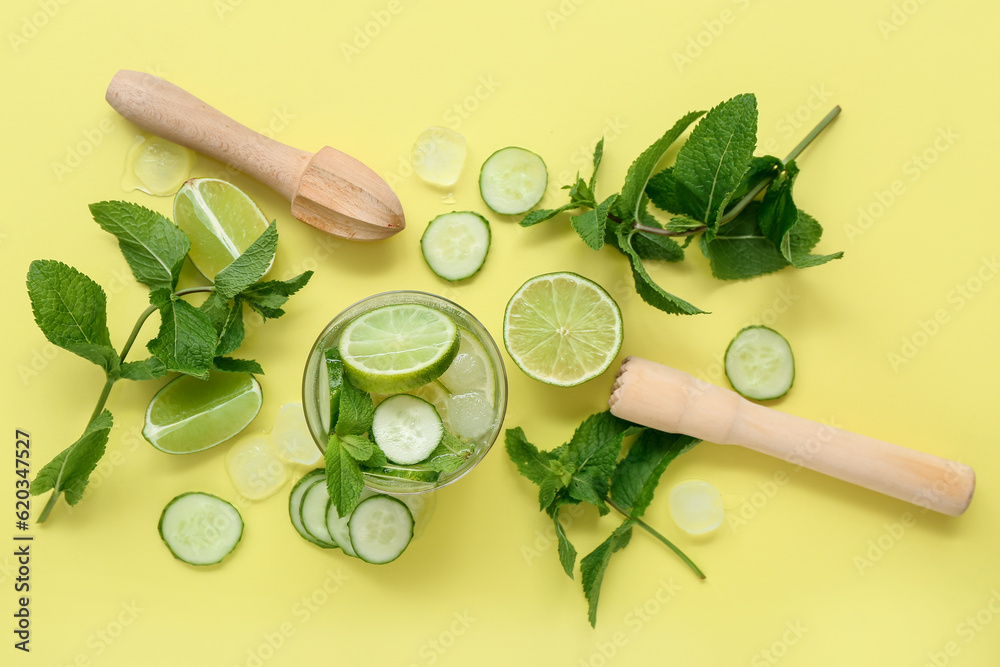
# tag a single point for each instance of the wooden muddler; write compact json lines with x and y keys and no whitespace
{"x":667,"y":399}
{"x":329,"y":190}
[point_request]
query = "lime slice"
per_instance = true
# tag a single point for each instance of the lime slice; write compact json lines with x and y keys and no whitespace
{"x":471,"y":371}
{"x":189,"y":415}
{"x":397,"y":348}
{"x":221,"y":221}
{"x":562,"y":329}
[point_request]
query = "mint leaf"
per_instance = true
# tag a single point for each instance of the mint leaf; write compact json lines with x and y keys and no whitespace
{"x":567,"y":552}
{"x":359,"y":447}
{"x":740,"y":250}
{"x":668,"y":194}
{"x":344,"y":479}
{"x":147,"y":369}
{"x":683,"y":223}
{"x":335,"y":379}
{"x":712,"y":162}
{"x":355,"y":410}
{"x":267,"y":297}
{"x":186,"y":340}
{"x":803,"y":238}
{"x":69,"y":472}
{"x":591,"y":224}
{"x":71,"y":310}
{"x":376,"y":460}
{"x":760,"y":169}
{"x":539,"y":467}
{"x":598,"y":154}
{"x":449,"y":455}
{"x":627,"y":207}
{"x":230,"y":365}
{"x":217,"y":309}
{"x":595,"y":564}
{"x":231,"y":332}
{"x":655,"y":246}
{"x":646,"y":287}
{"x":153,"y":246}
{"x":778,"y":214}
{"x":637,"y":475}
{"x":543,"y":214}
{"x":248,"y":268}
{"x":591,"y":455}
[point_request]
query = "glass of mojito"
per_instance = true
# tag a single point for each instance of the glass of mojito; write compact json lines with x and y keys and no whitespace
{"x":436,"y":379}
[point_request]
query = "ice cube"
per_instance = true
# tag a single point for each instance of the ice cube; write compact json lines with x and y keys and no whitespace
{"x":696,"y":506}
{"x":471,"y":414}
{"x":254,"y":468}
{"x":439,"y":155}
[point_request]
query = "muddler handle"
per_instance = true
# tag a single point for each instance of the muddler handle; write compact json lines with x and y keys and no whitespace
{"x":667,"y":399}
{"x":163,"y":109}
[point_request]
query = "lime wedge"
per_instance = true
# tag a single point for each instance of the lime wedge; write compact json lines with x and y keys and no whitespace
{"x":189,"y":415}
{"x":397,"y":348}
{"x":221,"y":221}
{"x":562,"y":329}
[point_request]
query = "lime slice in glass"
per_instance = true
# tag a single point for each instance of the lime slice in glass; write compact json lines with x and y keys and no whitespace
{"x":397,"y":348}
{"x":562,"y":329}
{"x":221,"y":221}
{"x":189,"y":415}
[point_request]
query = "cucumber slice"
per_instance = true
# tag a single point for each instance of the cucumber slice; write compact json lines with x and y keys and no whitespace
{"x":455,"y":244}
{"x":295,"y":504}
{"x":406,"y":428}
{"x":381,"y":527}
{"x":759,"y":363}
{"x":199,"y":528}
{"x":512,"y":180}
{"x":314,"y":504}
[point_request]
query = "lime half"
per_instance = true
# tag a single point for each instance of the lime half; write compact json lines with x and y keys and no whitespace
{"x":562,"y":329}
{"x":221,"y":221}
{"x":189,"y":415}
{"x":397,"y":348}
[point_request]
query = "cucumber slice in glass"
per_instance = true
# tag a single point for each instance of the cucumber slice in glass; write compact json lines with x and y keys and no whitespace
{"x":513,"y":180}
{"x":759,"y":363}
{"x":406,"y":428}
{"x":455,"y":244}
{"x":199,"y":528}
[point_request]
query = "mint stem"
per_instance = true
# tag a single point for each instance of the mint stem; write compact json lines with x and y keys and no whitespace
{"x":756,"y":190}
{"x":649,"y":529}
{"x":111,"y":379}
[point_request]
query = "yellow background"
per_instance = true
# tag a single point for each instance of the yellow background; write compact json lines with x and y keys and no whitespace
{"x":814,"y":572}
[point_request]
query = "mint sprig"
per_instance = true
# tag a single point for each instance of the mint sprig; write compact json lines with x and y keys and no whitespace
{"x":71,"y":311}
{"x":711,"y":193}
{"x":589,"y":469}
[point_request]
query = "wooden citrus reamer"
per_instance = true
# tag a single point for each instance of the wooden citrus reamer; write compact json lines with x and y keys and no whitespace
{"x":329,"y":190}
{"x":667,"y":399}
